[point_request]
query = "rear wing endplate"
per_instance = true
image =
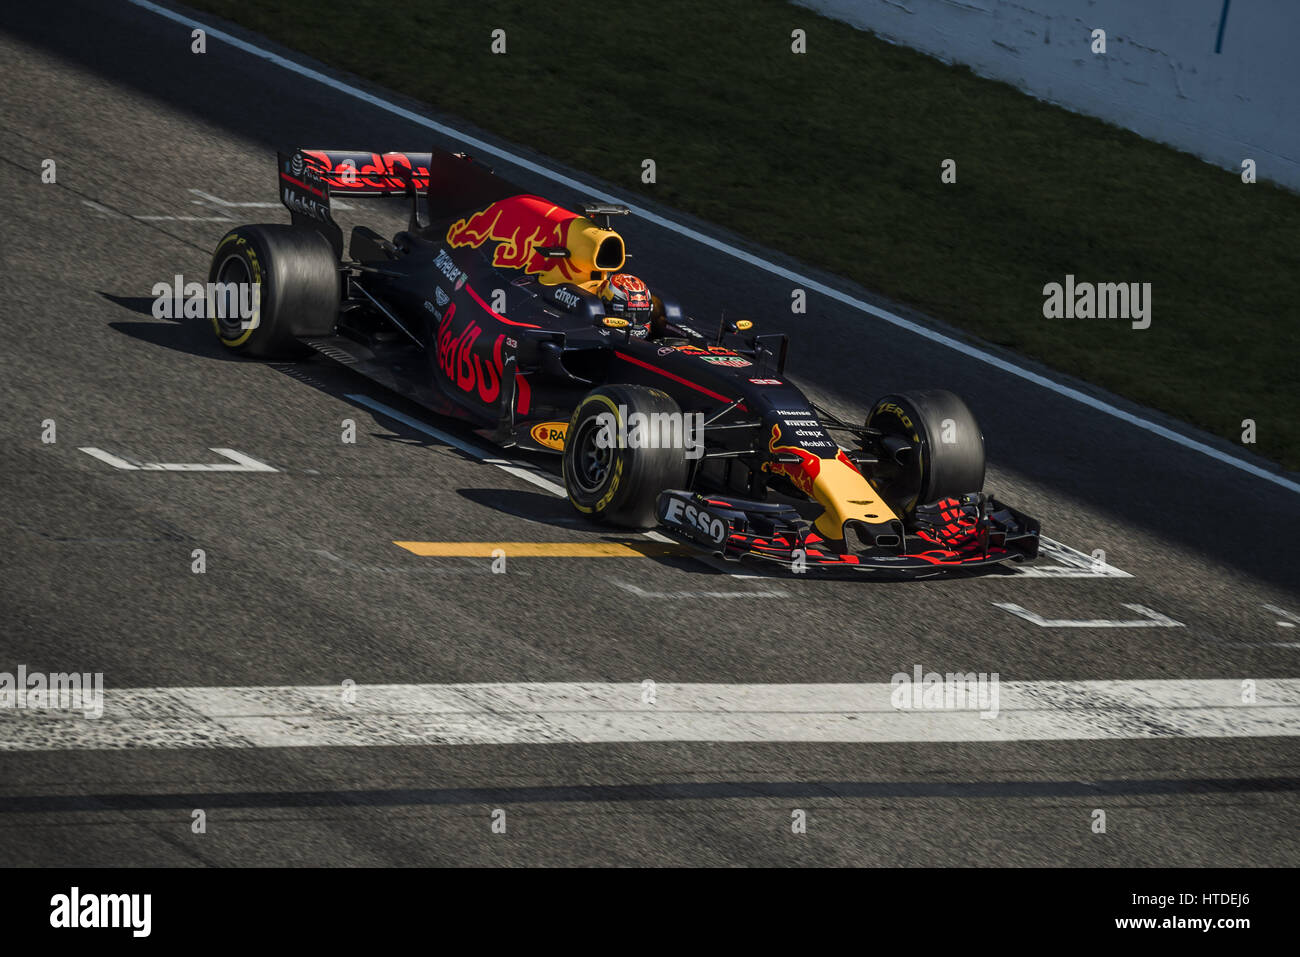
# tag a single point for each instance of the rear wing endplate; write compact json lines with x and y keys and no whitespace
{"x":306,"y":194}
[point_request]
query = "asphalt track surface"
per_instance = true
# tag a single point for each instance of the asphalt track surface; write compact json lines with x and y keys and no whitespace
{"x":304,"y":586}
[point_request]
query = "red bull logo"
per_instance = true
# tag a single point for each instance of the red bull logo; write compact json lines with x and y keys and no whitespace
{"x":461,"y":364}
{"x":835,"y":483}
{"x":802,"y":473}
{"x":367,"y":171}
{"x":519,"y":225}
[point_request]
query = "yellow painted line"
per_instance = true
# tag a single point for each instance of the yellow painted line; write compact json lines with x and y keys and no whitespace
{"x":546,"y":549}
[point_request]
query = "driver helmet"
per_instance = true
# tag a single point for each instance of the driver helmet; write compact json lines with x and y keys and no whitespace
{"x":627,"y":297}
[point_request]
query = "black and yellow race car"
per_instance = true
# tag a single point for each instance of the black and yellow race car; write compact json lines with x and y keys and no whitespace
{"x":508,"y":311}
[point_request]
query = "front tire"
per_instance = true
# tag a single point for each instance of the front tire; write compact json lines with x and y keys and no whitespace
{"x":620,"y":485}
{"x":296,"y":276}
{"x":946,"y":454}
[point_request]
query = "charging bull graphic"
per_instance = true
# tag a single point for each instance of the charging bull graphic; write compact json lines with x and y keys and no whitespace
{"x":520,"y":225}
{"x":802,"y":473}
{"x":834,"y":482}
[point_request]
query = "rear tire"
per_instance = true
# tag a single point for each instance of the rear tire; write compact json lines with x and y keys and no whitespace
{"x":297,"y":276}
{"x":619,"y":485}
{"x":947,"y":455}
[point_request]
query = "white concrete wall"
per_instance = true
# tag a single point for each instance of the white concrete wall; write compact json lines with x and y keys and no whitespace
{"x":1160,"y":75}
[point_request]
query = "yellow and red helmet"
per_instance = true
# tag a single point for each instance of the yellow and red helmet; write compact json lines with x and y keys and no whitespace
{"x":627,"y":297}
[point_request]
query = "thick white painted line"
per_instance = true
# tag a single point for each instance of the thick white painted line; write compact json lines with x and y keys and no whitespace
{"x":534,"y":713}
{"x":1149,"y":619}
{"x":965,"y":348}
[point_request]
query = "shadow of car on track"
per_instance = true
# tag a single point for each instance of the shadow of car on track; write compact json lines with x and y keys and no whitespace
{"x":192,"y":336}
{"x":160,"y":333}
{"x":535,"y":507}
{"x":141,"y":304}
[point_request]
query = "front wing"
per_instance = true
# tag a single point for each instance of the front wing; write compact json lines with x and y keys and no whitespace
{"x":969,"y":532}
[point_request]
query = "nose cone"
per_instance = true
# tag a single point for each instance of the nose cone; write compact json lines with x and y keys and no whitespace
{"x":886,"y":537}
{"x":855,"y":512}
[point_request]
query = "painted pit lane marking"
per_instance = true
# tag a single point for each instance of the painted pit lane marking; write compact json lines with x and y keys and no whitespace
{"x":99,"y":208}
{"x":1150,"y":619}
{"x":643,"y":593}
{"x":568,"y":713}
{"x":206,"y":198}
{"x":546,"y":549}
{"x":240,"y":463}
{"x":1289,"y":618}
{"x":963,"y":347}
{"x":1071,"y":563}
{"x":341,"y":565}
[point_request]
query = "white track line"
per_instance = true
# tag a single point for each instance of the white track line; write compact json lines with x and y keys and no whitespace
{"x":681,"y":595}
{"x":469,"y":448}
{"x":965,"y":348}
{"x":575,"y":713}
{"x":1291,"y":618}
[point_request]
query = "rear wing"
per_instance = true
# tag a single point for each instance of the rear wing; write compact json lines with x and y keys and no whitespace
{"x":371,"y":174}
{"x":451,"y":183}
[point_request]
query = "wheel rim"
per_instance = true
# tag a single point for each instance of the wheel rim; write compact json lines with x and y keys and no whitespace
{"x":900,"y":482}
{"x":591,"y":463}
{"x":233,"y":270}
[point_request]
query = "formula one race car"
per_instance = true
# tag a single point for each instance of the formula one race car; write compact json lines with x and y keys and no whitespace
{"x":503,"y":309}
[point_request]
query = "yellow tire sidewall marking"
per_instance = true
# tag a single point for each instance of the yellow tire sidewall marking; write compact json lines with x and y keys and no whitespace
{"x":249,"y":255}
{"x":578,"y":416}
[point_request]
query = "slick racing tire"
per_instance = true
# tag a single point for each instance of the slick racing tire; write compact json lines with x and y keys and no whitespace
{"x":946,"y":457}
{"x":619,"y":481}
{"x":296,"y":277}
